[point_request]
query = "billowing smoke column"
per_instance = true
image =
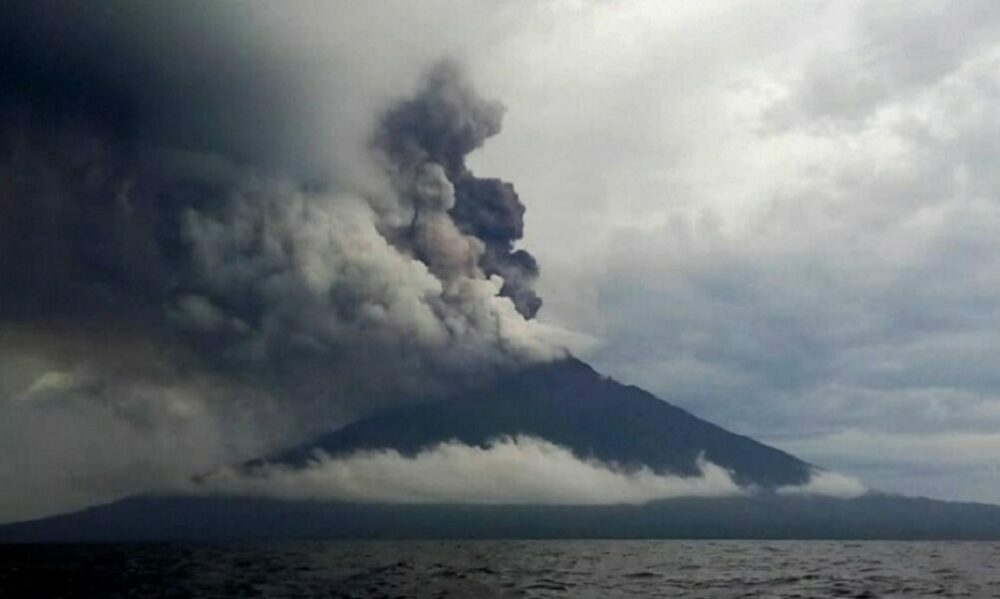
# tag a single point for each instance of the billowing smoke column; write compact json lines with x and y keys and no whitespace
{"x":143,"y":211}
{"x":426,"y":140}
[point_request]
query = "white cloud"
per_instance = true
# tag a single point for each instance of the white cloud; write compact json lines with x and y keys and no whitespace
{"x":829,"y":484}
{"x":943,"y":464}
{"x":510,"y":470}
{"x":790,"y":228}
{"x":944,"y":449}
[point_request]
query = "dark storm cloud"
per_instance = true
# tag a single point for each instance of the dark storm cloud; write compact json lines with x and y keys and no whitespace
{"x":189,"y":75}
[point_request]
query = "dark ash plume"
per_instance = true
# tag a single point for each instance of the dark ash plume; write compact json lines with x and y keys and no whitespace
{"x":146,"y":189}
{"x":441,"y":126}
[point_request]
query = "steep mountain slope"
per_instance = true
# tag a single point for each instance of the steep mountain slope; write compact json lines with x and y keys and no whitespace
{"x":569,"y":404}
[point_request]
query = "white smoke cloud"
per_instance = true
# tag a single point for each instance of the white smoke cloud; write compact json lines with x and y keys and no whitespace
{"x":509,"y":470}
{"x":828,"y":484}
{"x":329,"y":279}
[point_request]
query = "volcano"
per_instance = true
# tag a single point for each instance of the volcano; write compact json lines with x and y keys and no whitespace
{"x":569,"y":405}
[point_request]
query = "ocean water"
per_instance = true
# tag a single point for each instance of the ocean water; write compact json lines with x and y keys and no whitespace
{"x":599,"y":569}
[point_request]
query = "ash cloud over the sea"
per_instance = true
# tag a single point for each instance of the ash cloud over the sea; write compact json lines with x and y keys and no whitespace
{"x":176,"y":238}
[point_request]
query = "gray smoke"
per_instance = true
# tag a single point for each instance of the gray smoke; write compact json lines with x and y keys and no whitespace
{"x":157,"y":193}
{"x":425,"y":141}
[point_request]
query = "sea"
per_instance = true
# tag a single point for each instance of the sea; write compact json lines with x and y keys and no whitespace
{"x":482,"y":569}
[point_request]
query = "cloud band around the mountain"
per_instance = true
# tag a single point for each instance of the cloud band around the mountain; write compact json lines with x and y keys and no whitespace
{"x":507,"y":471}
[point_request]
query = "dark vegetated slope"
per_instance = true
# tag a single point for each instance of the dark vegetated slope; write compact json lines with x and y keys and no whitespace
{"x":756,"y":517}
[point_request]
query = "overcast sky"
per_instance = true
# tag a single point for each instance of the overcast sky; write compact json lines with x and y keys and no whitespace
{"x":783,"y":216}
{"x":780,"y":216}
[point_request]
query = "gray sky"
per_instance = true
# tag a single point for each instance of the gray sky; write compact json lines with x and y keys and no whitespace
{"x":783,"y":216}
